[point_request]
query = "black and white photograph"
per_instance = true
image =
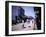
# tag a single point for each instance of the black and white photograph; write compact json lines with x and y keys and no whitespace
{"x":24,"y":18}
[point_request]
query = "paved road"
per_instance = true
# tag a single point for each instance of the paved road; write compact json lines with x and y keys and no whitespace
{"x":28,"y":26}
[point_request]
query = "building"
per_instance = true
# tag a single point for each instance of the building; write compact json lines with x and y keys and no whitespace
{"x":38,"y":16}
{"x":17,"y":13}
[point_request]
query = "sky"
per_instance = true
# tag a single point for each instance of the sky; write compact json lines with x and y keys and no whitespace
{"x":29,"y":11}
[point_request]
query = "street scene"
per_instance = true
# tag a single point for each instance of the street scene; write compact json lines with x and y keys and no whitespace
{"x":28,"y":25}
{"x":26,"y":18}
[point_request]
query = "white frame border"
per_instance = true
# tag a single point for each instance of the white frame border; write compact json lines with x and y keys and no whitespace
{"x":25,"y":32}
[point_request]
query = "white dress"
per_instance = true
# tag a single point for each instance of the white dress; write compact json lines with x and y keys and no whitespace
{"x":30,"y":25}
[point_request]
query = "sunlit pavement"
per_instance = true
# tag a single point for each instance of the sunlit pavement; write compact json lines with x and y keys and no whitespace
{"x":28,"y":26}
